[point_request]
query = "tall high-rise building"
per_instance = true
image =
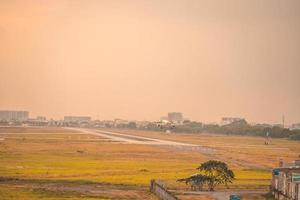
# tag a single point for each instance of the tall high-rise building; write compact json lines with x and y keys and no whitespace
{"x":8,"y":115}
{"x":175,"y":117}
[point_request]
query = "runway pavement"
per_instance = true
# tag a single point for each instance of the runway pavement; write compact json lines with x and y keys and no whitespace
{"x":132,"y":139}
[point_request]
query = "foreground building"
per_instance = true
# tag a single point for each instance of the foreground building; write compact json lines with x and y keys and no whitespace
{"x":286,"y":181}
{"x":8,"y":115}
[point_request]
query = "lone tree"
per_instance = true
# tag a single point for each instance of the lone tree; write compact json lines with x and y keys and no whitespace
{"x":212,"y":173}
{"x":196,"y":181}
{"x":218,"y":173}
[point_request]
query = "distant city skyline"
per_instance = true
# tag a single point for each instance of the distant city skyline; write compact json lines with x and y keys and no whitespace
{"x":136,"y":59}
{"x":96,"y":117}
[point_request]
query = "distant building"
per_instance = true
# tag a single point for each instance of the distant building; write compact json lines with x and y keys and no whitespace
{"x":41,"y":118}
{"x":175,"y":117}
{"x":38,"y":121}
{"x":263,"y":125}
{"x":120,"y":123}
{"x":230,"y":120}
{"x":286,"y":181}
{"x":7,"y":115}
{"x":108,"y":123}
{"x":278,"y":125}
{"x":56,"y":123}
{"x":295,"y":126}
{"x":142,"y":124}
{"x":77,"y":119}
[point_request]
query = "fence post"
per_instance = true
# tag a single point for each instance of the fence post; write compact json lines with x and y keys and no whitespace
{"x":160,"y":190}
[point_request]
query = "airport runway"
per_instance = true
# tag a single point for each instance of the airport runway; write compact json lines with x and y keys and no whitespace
{"x":132,"y":139}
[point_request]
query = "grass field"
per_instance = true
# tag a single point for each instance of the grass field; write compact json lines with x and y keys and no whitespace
{"x":17,"y":193}
{"x":239,"y":151}
{"x":52,"y":156}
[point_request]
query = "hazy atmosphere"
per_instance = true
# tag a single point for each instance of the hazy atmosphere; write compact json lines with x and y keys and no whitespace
{"x":141,"y":59}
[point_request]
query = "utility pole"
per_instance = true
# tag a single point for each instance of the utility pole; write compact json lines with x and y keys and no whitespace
{"x":283,"y":121}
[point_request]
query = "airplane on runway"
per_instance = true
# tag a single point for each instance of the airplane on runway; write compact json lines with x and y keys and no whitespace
{"x":165,"y":124}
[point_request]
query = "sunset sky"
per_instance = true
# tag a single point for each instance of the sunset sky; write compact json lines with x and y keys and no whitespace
{"x":139,"y":59}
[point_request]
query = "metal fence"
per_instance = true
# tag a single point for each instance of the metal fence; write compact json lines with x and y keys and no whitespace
{"x":159,"y":189}
{"x":284,"y":185}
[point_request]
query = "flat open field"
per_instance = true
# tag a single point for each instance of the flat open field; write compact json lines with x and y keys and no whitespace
{"x":52,"y":163}
{"x":239,"y":151}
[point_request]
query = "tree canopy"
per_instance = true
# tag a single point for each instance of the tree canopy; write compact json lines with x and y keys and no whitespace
{"x":212,"y":173}
{"x":218,"y":172}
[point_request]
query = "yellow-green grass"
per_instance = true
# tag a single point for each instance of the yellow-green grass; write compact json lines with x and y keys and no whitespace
{"x":36,"y":157}
{"x":78,"y":157}
{"x":8,"y":192}
{"x":36,"y":130}
{"x":244,"y":149}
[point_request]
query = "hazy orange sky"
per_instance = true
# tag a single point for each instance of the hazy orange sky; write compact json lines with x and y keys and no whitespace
{"x":140,"y":59}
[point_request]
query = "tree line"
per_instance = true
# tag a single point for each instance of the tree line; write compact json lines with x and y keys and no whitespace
{"x":240,"y":128}
{"x":236,"y":128}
